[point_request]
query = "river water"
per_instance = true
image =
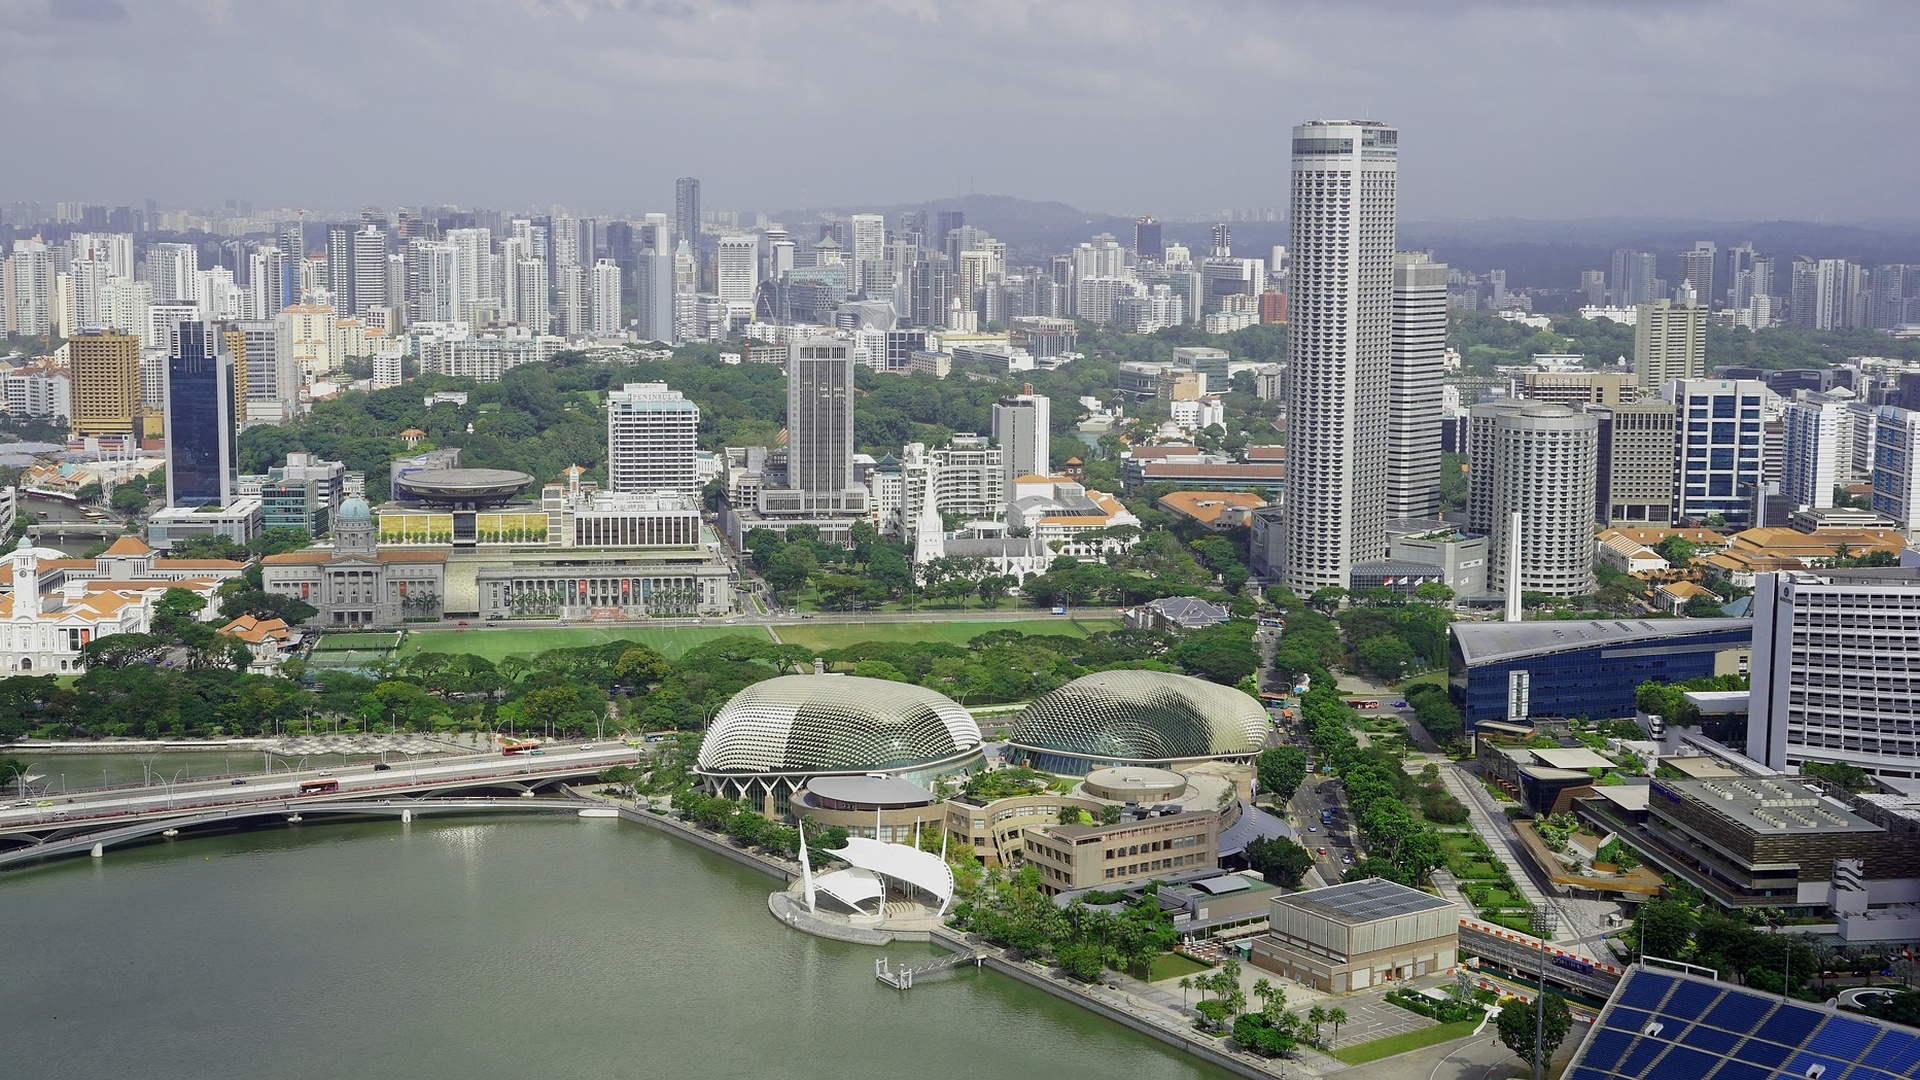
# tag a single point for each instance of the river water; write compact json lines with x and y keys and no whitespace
{"x":464,"y":948}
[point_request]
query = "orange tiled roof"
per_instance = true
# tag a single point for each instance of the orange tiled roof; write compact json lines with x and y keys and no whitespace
{"x":129,"y":545}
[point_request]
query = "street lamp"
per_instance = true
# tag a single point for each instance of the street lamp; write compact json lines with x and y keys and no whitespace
{"x":1544,"y":923}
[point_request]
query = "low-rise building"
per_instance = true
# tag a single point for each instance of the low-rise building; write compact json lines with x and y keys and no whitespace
{"x":1623,"y":553}
{"x":239,"y":521}
{"x":1217,"y":511}
{"x":1510,"y":671}
{"x":1176,"y":613}
{"x":270,"y":641}
{"x":1358,"y":934}
{"x":1153,"y":842}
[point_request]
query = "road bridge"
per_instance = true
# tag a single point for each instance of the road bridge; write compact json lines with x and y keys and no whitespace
{"x":1521,"y":954}
{"x":293,"y":811}
{"x":33,"y":823}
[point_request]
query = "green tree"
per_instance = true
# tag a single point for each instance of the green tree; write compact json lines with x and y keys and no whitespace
{"x":1279,"y":860}
{"x":1516,"y":1027}
{"x":1663,"y":927}
{"x":1222,"y":654}
{"x":790,"y":567}
{"x":1336,"y":1016}
{"x":1280,"y":770}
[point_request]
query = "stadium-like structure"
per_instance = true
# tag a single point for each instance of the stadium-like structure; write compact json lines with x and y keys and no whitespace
{"x":774,"y":736}
{"x":1120,"y":718}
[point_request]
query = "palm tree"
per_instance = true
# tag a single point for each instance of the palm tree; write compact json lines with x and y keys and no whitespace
{"x":1186,"y":984}
{"x":1317,"y":1016}
{"x":1336,"y":1016}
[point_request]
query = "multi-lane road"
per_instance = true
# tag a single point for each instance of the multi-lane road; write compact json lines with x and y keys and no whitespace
{"x":420,"y":774}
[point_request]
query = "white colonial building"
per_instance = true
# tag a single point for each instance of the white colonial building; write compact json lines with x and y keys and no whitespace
{"x":42,"y":632}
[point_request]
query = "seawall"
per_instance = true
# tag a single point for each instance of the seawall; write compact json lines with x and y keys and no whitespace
{"x":662,"y":823}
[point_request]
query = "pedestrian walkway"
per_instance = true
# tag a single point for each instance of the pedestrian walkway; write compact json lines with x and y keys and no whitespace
{"x":1573,"y":918}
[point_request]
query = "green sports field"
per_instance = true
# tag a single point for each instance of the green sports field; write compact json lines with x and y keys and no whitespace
{"x":497,"y":645}
{"x":841,"y":635}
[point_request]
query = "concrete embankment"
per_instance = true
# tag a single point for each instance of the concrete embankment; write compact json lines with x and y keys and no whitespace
{"x":785,"y":871}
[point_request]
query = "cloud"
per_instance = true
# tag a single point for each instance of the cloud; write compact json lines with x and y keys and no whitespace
{"x":88,"y":11}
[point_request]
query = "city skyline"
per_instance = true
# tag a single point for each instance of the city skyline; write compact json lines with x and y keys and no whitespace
{"x":1590,"y":94}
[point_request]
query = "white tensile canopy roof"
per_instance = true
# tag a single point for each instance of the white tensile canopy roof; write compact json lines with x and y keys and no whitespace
{"x":917,"y":868}
{"x":851,"y":887}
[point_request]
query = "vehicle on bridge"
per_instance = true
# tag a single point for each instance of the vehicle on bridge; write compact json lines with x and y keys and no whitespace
{"x":318,"y":787}
{"x":512,"y":748}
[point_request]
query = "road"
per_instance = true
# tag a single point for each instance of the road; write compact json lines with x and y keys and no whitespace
{"x":789,"y":618}
{"x":105,"y":804}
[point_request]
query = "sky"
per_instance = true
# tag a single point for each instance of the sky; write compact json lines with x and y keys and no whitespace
{"x":1557,"y":109}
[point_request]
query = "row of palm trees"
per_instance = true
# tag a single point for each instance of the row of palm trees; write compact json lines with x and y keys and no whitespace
{"x":1231,"y":999}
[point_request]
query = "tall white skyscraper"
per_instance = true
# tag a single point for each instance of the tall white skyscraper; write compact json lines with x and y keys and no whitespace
{"x":1339,"y":345}
{"x":473,"y":265}
{"x":1817,"y":426}
{"x":1669,"y":342}
{"x":369,"y":269}
{"x":171,"y":269}
{"x":651,"y":434}
{"x":1021,"y":426}
{"x":1418,"y":367}
{"x":653,"y":295}
{"x":27,"y":288}
{"x":432,"y":272}
{"x":1536,"y":461}
{"x":531,"y":305}
{"x":737,"y":271}
{"x":867,"y":241}
{"x":572,"y":301}
{"x":606,"y":298}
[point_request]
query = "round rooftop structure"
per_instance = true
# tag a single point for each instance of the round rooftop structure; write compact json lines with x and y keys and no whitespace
{"x":1135,"y":784}
{"x":1134,"y":718}
{"x":797,"y":726}
{"x":461,"y":489}
{"x":868,"y":793}
{"x":355,"y":509}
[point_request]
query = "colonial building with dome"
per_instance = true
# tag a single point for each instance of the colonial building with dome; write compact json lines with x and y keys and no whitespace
{"x":353,"y":583}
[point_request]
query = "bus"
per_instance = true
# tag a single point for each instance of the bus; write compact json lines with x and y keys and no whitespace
{"x":1362,"y":703}
{"x":513,"y":748}
{"x":319,"y":787}
{"x":1272,"y":700}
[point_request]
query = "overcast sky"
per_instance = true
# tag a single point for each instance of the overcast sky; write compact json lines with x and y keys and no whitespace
{"x":1725,"y":109}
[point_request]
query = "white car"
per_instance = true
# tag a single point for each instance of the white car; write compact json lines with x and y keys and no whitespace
{"x":586,"y":746}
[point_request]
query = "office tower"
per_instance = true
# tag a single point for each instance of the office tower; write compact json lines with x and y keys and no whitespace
{"x":1593,"y":286}
{"x":1340,"y":236}
{"x":1717,"y":438}
{"x":819,"y":417}
{"x":571,"y":302}
{"x":256,"y":352}
{"x":293,"y":241}
{"x":369,"y":270}
{"x":105,"y":372}
{"x":339,"y":268}
{"x":1836,"y":669}
{"x":1417,"y":367}
{"x":432,"y":270}
{"x":944,"y":223}
{"x":1739,"y":282}
{"x":686,"y":211}
{"x":1816,"y":427}
{"x":233,"y":339}
{"x":1022,"y":426}
{"x":651,"y":434}
{"x":1633,"y":474}
{"x":653,"y":293}
{"x":932,"y":290}
{"x":1896,"y":465}
{"x":1146,"y":240}
{"x":1696,"y":266}
{"x":1669,"y":342}
{"x":607,"y":316}
{"x":1537,"y":464}
{"x":1636,"y":278}
{"x":532,"y":304}
{"x":686,"y":269}
{"x":202,"y":466}
{"x":1222,"y":247}
{"x":866,"y":247}
{"x":737,"y":271}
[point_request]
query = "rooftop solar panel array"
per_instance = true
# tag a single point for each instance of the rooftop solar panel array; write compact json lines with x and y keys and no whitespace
{"x":1663,"y":1025}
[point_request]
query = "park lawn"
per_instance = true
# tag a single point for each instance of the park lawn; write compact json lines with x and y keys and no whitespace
{"x":1173,"y":966}
{"x":824,"y":636}
{"x":1361,"y":1053}
{"x":1437,"y":677}
{"x":498,"y":644}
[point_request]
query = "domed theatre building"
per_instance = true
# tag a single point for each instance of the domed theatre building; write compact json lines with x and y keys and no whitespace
{"x":1154,"y":719}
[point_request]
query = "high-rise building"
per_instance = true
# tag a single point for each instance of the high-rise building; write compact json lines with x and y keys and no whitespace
{"x":1339,"y":343}
{"x":572,"y":301}
{"x":339,"y":268}
{"x":260,"y":375}
{"x":1417,"y":369}
{"x":944,"y":223}
{"x":1538,"y":462}
{"x":27,"y":289}
{"x":686,"y":211}
{"x":651,"y":434}
{"x":202,"y":461}
{"x":606,"y":298}
{"x":1669,"y":342}
{"x":1816,"y":427}
{"x":653,"y":293}
{"x":1633,"y":481}
{"x":105,"y":372}
{"x":432,"y":281}
{"x":369,"y":270}
{"x":1593,"y":285}
{"x":1222,"y":246}
{"x":1836,"y":669}
{"x":1717,"y":436}
{"x":737,"y":271}
{"x":474,"y":286}
{"x":1896,"y":465}
{"x":1022,"y":426}
{"x":820,"y":417}
{"x":866,"y":248}
{"x":172,"y":270}
{"x":1636,"y":278}
{"x":532,"y":304}
{"x":1696,"y":266}
{"x":1146,"y":240}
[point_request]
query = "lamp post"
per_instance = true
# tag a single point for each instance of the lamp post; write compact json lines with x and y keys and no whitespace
{"x":1544,"y":922}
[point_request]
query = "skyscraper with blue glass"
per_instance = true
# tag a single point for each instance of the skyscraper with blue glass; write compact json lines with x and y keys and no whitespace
{"x":203,"y":466}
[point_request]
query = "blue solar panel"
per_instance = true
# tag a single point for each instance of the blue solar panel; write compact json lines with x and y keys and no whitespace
{"x":1842,"y":1038}
{"x":1637,"y":1059}
{"x":1606,"y":1047}
{"x":1633,"y":1020}
{"x":1897,"y":1051}
{"x":1587,"y":1074}
{"x":1682,"y":1063}
{"x":1690,"y":999}
{"x":1644,"y":989}
{"x":1789,"y":1025}
{"x":1762,"y":1053}
{"x":1740,"y":1070}
{"x":1710,"y":1038}
{"x":1868,"y":1072}
{"x":1739,"y":1012}
{"x":1830,"y":1068}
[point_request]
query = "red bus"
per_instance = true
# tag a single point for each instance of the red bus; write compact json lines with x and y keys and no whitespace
{"x":318,"y":787}
{"x":1363,"y":703}
{"x":512,"y":748}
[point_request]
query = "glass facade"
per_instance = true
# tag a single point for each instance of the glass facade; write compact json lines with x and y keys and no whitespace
{"x":202,"y":464}
{"x":1596,"y":682}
